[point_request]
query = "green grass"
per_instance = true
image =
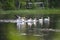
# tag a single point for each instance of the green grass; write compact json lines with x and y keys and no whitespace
{"x":32,"y":11}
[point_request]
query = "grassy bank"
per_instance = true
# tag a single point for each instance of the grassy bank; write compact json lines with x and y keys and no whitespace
{"x":32,"y":11}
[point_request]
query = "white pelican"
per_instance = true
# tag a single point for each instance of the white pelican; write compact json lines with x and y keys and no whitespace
{"x":18,"y":23}
{"x":41,"y":21}
{"x":35,"y":21}
{"x":23,"y":20}
{"x":47,"y":21}
{"x":23,"y":24}
{"x":30,"y":22}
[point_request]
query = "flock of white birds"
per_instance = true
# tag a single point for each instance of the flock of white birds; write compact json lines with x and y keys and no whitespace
{"x":22,"y":21}
{"x":30,"y":21}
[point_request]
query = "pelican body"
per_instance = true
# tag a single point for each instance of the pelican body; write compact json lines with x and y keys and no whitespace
{"x":30,"y":22}
{"x":35,"y":21}
{"x":41,"y":21}
{"x":47,"y":21}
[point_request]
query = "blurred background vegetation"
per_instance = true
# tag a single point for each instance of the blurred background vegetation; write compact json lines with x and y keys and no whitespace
{"x":24,"y":4}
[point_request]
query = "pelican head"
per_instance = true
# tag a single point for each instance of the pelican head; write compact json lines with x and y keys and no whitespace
{"x":48,"y":17}
{"x":41,"y":17}
{"x":23,"y":17}
{"x":19,"y":17}
{"x":35,"y":18}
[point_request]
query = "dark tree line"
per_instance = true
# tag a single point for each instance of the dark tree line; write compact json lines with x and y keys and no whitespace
{"x":54,"y":3}
{"x":17,"y":4}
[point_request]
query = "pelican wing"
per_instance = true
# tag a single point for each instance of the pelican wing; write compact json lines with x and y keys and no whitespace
{"x":7,"y":21}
